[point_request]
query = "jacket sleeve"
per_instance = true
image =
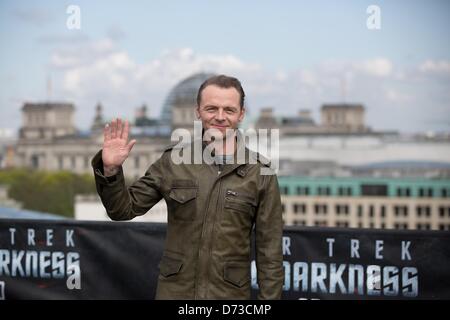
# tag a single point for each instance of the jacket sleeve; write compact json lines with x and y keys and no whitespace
{"x":125,"y":203}
{"x":268,"y":240}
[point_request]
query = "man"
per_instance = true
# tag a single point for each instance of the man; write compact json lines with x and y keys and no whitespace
{"x":212,"y":208}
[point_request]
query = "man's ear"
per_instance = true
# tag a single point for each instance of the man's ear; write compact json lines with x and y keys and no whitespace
{"x":241,"y":116}
{"x":197,"y":112}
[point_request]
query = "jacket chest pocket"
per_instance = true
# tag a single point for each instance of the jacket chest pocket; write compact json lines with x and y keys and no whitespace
{"x":239,"y":202}
{"x":182,"y":203}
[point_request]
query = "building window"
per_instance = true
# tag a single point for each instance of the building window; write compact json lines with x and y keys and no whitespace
{"x":403,"y":192}
{"x":444,"y":193}
{"x":299,"y":223}
{"x":284,"y":190}
{"x":299,"y":208}
{"x":401,"y":211}
{"x":344,"y":191}
{"x":360,"y":225}
{"x":303,"y":191}
{"x":323,"y":191}
{"x":319,"y":223}
{"x":400,"y":226}
{"x":360,"y":210}
{"x":383,"y":225}
{"x":371,"y":211}
{"x":72,"y":161}
{"x":425,"y":192}
{"x":341,"y":209}
{"x":343,"y":224}
{"x":383,"y":211}
{"x":374,"y":190}
{"x":444,"y":211}
{"x":371,"y":225}
{"x":320,"y":208}
{"x":423,"y":210}
{"x":283,"y":208}
{"x":423,"y":226}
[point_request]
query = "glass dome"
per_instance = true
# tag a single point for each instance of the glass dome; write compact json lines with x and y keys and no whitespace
{"x":184,"y":93}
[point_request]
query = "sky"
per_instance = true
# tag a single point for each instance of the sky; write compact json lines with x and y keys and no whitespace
{"x":289,"y":55}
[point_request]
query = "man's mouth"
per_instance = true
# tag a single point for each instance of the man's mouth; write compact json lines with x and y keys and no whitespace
{"x":219,"y":126}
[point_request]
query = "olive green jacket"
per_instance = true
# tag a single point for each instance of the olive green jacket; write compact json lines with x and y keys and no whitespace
{"x":210,"y":221}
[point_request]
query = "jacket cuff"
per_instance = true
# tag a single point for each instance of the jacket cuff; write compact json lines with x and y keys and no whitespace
{"x":97,"y":165}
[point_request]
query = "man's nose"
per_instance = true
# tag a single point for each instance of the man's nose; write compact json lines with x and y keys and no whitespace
{"x":220,"y":115}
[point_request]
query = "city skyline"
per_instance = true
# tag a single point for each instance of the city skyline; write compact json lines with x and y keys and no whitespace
{"x":296,"y":56}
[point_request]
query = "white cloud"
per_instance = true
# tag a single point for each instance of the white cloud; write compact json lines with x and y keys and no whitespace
{"x":396,"y":96}
{"x":431,"y":66}
{"x":380,"y":67}
{"x":100,"y":71}
{"x":82,"y":53}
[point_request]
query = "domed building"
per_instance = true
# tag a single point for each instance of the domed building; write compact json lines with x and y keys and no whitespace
{"x":179,"y":107}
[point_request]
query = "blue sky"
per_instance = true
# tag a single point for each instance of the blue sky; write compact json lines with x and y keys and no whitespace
{"x":290,"y":55}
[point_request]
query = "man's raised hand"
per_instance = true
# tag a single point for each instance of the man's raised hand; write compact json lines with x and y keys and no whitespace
{"x":116,"y":147}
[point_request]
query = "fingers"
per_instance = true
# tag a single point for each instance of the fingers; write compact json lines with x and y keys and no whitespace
{"x":113,"y":128}
{"x":119,"y":128}
{"x":130,"y":145}
{"x":107,"y":132}
{"x":126,"y":131}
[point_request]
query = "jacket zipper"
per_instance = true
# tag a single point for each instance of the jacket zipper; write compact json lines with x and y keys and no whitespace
{"x":240,"y":196}
{"x":218,"y":179}
{"x":202,"y":236}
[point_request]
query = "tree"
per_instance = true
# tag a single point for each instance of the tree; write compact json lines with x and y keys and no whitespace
{"x":52,"y":192}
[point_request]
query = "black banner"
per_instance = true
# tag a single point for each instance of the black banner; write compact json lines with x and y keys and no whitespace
{"x":335,"y":263}
{"x":119,"y":260}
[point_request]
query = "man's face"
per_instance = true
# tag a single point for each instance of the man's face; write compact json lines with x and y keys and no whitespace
{"x":220,"y":109}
